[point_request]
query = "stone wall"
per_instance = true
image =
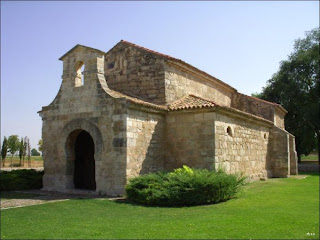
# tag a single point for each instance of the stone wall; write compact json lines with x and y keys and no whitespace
{"x":293,"y":156}
{"x":241,"y":146}
{"x":190,"y":140}
{"x":135,"y":72}
{"x":180,"y":83}
{"x":253,"y":106}
{"x":279,"y":153}
{"x":87,"y":107}
{"x":145,"y":142}
{"x":279,"y":119}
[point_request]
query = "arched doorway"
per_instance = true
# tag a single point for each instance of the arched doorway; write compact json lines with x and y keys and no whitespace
{"x":84,"y":164}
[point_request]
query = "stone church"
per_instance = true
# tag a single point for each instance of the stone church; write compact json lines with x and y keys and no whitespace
{"x":131,"y":111}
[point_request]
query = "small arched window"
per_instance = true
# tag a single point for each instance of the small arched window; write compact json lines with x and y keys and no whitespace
{"x":79,"y":81}
{"x":229,"y":131}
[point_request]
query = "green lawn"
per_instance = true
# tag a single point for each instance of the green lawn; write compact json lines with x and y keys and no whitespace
{"x":311,"y":157}
{"x":272,"y":209}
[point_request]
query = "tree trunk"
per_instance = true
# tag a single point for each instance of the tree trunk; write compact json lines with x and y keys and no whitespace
{"x":11,"y":160}
{"x":3,"y":162}
{"x":299,"y":158}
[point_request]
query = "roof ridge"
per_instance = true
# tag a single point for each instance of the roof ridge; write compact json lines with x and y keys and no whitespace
{"x":204,"y":99}
{"x":179,"y":61}
{"x":178,"y":100}
{"x":190,"y":101}
{"x":80,"y":45}
{"x":148,"y":50}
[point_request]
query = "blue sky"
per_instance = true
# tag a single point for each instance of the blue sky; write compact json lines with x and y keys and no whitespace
{"x":241,"y":43}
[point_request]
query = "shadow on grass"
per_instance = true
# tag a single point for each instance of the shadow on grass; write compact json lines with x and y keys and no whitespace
{"x":309,"y":173}
{"x":130,"y":203}
{"x":8,"y":195}
{"x":42,"y":195}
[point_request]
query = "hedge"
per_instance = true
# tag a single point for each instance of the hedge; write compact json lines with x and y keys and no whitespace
{"x":21,"y":179}
{"x":183,"y":187}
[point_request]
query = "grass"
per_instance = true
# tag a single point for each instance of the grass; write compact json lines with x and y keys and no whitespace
{"x":273,"y":209}
{"x":310,"y":157}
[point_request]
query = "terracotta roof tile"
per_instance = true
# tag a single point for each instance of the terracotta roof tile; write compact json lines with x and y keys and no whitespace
{"x":190,"y":102}
{"x":186,"y":102}
{"x":198,"y":70}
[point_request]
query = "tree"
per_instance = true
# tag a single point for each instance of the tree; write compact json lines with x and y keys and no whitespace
{"x":34,"y":152}
{"x":29,"y":152}
{"x":13,"y":145}
{"x":4,"y":150}
{"x":40,"y":145}
{"x":25,"y":148}
{"x":296,"y":87}
{"x":21,"y":147}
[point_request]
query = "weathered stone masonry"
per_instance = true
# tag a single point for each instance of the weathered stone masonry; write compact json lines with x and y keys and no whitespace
{"x":146,"y":111}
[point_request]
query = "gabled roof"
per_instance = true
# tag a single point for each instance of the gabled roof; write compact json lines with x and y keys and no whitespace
{"x":77,"y":46}
{"x":198,"y":70}
{"x":176,"y":60}
{"x":190,"y":102}
{"x":187,"y":102}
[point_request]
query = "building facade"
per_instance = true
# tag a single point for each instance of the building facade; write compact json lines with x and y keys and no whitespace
{"x":131,"y":111}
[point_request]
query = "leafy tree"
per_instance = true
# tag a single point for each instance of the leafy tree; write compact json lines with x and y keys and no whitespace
{"x":21,"y":150}
{"x":4,"y":150}
{"x":34,"y":152}
{"x":13,"y":145}
{"x":40,"y":145}
{"x":296,"y":87}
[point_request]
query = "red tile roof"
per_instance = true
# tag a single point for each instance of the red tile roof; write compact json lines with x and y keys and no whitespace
{"x":198,"y":70}
{"x":186,"y":102}
{"x":190,"y":102}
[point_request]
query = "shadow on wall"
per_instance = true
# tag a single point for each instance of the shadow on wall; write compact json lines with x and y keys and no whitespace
{"x":146,"y":143}
{"x":269,"y":164}
{"x":190,"y":140}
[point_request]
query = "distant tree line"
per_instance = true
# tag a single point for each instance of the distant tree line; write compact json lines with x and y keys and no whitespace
{"x":296,"y":86}
{"x":12,"y":145}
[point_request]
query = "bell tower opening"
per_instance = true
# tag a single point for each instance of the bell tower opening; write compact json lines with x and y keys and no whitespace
{"x":80,"y":68}
{"x":84,"y":169}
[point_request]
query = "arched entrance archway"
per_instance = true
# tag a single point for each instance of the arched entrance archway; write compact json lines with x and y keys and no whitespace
{"x":70,"y":133}
{"x":84,"y":164}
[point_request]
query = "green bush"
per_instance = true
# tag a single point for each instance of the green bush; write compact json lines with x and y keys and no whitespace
{"x":21,"y":179}
{"x":183,"y":187}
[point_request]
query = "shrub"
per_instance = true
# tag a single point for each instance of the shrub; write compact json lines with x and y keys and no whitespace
{"x":21,"y":179}
{"x":183,"y":187}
